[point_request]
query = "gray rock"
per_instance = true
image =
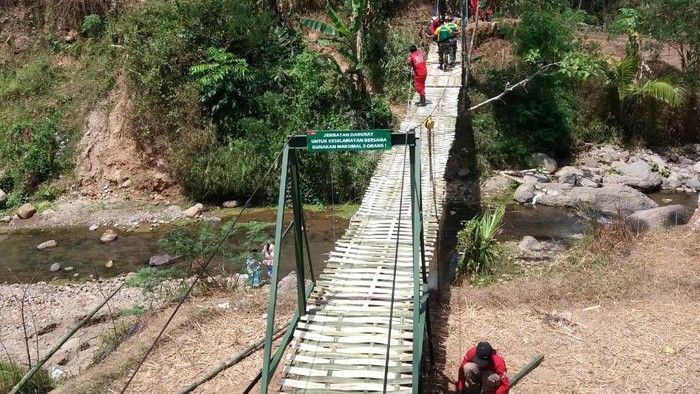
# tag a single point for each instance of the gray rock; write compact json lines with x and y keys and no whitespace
{"x":658,"y":218}
{"x":546,"y":163}
{"x":288,"y":283}
{"x":585,"y":182}
{"x":529,"y":243}
{"x":26,"y":211}
{"x":93,"y":227}
{"x":108,"y":236}
{"x":647,"y":183}
{"x":639,"y":168}
{"x":230,"y":204}
{"x":55,"y":267}
{"x":609,"y":157}
{"x":554,"y":194}
{"x":3,"y":197}
{"x":69,"y":269}
{"x":624,"y":155}
{"x":568,"y":170}
{"x":126,"y":183}
{"x":524,"y":193}
{"x":694,"y":183}
{"x":696,"y":168}
{"x":590,"y":163}
{"x":6,"y":219}
{"x":570,"y":178}
{"x":609,"y":199}
{"x":536,"y":178}
{"x":194,"y":211}
{"x":47,"y":245}
{"x":158,"y":260}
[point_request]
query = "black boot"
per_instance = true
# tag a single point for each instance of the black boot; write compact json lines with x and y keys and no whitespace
{"x":421,"y":103}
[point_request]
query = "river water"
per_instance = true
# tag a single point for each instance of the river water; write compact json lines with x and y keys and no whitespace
{"x":20,"y":261}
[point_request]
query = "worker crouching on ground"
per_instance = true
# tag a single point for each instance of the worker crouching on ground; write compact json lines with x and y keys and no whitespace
{"x":446,"y":37}
{"x":483,"y":370}
{"x":417,"y":62}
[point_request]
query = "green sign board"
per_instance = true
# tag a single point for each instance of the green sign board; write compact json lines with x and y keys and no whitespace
{"x":334,"y":140}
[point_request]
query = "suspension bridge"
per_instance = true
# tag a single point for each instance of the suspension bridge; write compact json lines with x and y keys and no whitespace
{"x":362,"y":323}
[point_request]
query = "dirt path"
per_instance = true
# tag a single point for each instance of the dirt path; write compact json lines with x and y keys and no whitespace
{"x":601,"y":329}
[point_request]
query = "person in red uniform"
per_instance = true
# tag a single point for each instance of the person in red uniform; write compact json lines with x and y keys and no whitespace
{"x":483,"y":370}
{"x":417,"y":61}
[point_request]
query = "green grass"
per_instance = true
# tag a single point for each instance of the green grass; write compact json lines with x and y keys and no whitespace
{"x":11,"y":373}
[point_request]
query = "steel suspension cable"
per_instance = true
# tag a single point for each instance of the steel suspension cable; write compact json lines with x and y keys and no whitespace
{"x":396,"y":263}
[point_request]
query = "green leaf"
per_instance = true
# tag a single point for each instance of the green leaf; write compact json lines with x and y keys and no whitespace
{"x":339,"y":25}
{"x":663,"y":91}
{"x":358,"y":10}
{"x":320,"y":26}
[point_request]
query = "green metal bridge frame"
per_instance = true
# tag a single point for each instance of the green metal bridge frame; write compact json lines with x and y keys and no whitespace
{"x":290,"y":172}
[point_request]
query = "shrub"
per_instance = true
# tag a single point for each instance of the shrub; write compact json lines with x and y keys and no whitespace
{"x":11,"y":373}
{"x":477,"y":245}
{"x":92,"y":25}
{"x":30,"y":151}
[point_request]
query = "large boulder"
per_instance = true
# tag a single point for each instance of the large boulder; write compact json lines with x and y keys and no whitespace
{"x":3,"y":197}
{"x":609,"y":199}
{"x":694,"y":183}
{"x":658,"y":218}
{"x":647,"y":183}
{"x":546,"y":163}
{"x":26,"y":211}
{"x":524,"y":193}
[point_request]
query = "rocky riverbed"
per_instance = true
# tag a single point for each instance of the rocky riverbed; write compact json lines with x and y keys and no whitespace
{"x":611,"y":181}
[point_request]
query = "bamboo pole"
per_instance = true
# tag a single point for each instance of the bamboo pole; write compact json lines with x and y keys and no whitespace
{"x":230,"y":362}
{"x":63,"y":340}
{"x":526,"y":370}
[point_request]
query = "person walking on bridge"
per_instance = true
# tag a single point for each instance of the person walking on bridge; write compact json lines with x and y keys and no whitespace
{"x":483,"y":370}
{"x":417,"y":62}
{"x":446,"y":37}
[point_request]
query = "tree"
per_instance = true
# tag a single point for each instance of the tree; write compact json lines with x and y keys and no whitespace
{"x":348,"y":39}
{"x":222,"y":80}
{"x":675,"y":23}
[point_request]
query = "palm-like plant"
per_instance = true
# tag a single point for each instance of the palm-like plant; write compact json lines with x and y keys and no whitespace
{"x":347,"y":38}
{"x":477,"y":245}
{"x":626,"y":77}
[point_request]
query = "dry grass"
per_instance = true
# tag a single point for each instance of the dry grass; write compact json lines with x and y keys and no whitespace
{"x":201,"y":337}
{"x":601,"y":329}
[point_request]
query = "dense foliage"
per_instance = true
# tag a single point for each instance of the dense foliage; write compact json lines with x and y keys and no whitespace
{"x":256,"y":83}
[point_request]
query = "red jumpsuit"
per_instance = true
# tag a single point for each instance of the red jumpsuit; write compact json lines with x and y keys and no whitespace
{"x":497,"y":365}
{"x":420,"y":72}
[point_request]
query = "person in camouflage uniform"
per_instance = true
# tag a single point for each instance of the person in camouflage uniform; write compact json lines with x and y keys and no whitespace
{"x":446,"y":38}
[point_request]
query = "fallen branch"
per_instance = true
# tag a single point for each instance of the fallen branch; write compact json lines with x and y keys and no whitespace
{"x":230,"y":362}
{"x":63,"y":340}
{"x":509,"y":88}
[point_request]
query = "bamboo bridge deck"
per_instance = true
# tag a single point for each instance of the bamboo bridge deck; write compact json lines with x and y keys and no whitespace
{"x":340,"y":344}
